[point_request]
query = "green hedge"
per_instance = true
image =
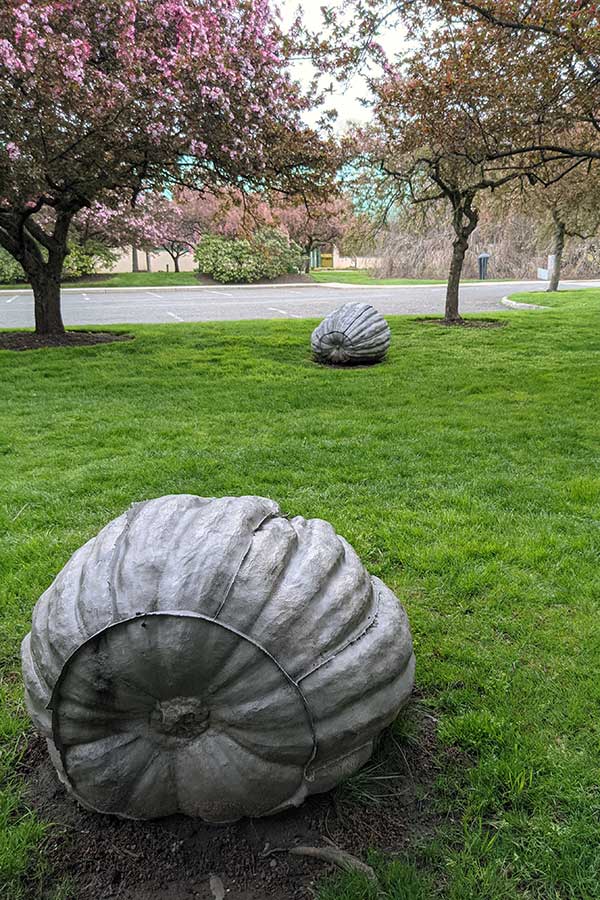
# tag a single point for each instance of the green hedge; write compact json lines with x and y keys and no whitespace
{"x":81,"y":261}
{"x":10,"y":270}
{"x":267,"y":254}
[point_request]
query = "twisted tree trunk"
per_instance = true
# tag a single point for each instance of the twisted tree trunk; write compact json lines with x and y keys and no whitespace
{"x":464,"y":222}
{"x":45,"y":282}
{"x":42,"y":254}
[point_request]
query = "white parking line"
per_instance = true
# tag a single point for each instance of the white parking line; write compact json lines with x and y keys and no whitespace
{"x":283,"y":312}
{"x":11,"y":299}
{"x":151,"y":294}
{"x":174,"y":316}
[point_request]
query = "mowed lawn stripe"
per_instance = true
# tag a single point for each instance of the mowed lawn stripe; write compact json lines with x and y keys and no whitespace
{"x":466,"y":473}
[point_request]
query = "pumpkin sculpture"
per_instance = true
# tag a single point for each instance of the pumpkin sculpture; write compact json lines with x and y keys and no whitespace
{"x":215,"y":658}
{"x":353,"y":335}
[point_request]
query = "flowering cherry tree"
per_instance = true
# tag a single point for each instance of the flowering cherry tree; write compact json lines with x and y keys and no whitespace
{"x":228,"y":212}
{"x":175,"y":224}
{"x":119,"y":224}
{"x":105,"y":99}
{"x":175,"y":230}
{"x":315,"y":224}
{"x":153,"y":222}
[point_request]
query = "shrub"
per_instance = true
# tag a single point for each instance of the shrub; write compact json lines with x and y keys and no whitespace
{"x":267,"y":254}
{"x":280,"y":255}
{"x":82,"y":260}
{"x":10,"y":270}
{"x":227,"y":259}
{"x":87,"y":259}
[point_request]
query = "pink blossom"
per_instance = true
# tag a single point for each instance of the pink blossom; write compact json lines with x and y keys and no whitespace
{"x":115,"y":100}
{"x":13,"y":151}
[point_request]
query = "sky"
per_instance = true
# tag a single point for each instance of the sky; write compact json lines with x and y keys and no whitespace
{"x":346,"y":97}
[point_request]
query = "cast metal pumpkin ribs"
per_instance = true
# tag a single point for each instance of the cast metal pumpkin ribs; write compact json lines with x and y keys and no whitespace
{"x":353,"y":335}
{"x":214,"y":658}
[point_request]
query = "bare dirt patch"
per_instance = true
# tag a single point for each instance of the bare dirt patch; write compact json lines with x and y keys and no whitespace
{"x":280,"y":279}
{"x":465,"y":323}
{"x":105,"y":858}
{"x":29,"y":340}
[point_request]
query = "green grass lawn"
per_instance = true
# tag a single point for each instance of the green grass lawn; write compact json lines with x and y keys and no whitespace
{"x":124,"y":279}
{"x":175,"y":279}
{"x":363,"y":276}
{"x":465,"y":471}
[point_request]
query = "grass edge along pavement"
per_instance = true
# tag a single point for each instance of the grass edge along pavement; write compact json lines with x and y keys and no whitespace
{"x":191,"y":279}
{"x":121,"y":280}
{"x":365,"y":276}
{"x":464,"y":471}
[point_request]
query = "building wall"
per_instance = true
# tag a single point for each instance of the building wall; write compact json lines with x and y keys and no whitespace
{"x":161,"y":260}
{"x":158,"y":261}
{"x":354,"y":262}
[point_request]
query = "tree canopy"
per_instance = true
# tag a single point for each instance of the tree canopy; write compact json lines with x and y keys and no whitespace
{"x":107,"y":98}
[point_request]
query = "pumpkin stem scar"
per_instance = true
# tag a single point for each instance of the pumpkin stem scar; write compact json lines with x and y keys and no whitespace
{"x":180,"y":717}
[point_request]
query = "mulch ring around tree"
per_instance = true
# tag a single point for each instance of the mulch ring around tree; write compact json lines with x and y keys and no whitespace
{"x":465,"y":323}
{"x":29,"y":340}
{"x":385,"y":807}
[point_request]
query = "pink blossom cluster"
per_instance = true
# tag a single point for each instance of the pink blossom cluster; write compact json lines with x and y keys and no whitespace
{"x":97,"y":95}
{"x":316,"y":223}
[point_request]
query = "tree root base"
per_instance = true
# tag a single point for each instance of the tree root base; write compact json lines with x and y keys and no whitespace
{"x":340,"y":858}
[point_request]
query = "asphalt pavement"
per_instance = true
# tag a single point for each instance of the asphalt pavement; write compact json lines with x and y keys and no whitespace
{"x":106,"y":306}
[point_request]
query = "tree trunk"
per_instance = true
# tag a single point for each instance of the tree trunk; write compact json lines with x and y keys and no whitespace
{"x":176,"y":263}
{"x":148,"y":262}
{"x":308,"y":249}
{"x":452,"y":315}
{"x":135,"y":263}
{"x":559,"y":246}
{"x":42,"y":256}
{"x":46,"y":293}
{"x":465,"y":221}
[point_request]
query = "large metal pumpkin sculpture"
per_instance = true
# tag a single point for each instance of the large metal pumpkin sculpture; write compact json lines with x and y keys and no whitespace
{"x":353,"y":335}
{"x":214,"y":658}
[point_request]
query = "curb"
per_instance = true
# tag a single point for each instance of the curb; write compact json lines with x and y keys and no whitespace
{"x":512,"y":304}
{"x":336,"y":285}
{"x":167,"y":288}
{"x":236,"y":287}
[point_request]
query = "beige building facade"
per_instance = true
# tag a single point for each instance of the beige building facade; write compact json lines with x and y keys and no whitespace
{"x":160,"y":261}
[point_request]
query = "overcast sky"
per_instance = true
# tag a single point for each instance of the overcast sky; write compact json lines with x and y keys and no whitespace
{"x":346,"y":97}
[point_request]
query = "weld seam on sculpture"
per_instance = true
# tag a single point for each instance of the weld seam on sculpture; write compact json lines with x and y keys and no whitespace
{"x":352,"y":324}
{"x":52,"y":706}
{"x":354,"y":334}
{"x":348,"y":643}
{"x":153,"y":704}
{"x":242,"y":561}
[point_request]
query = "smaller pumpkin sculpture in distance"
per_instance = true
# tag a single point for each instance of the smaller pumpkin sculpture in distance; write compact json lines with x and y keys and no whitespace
{"x":353,"y":335}
{"x":214,"y":658}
